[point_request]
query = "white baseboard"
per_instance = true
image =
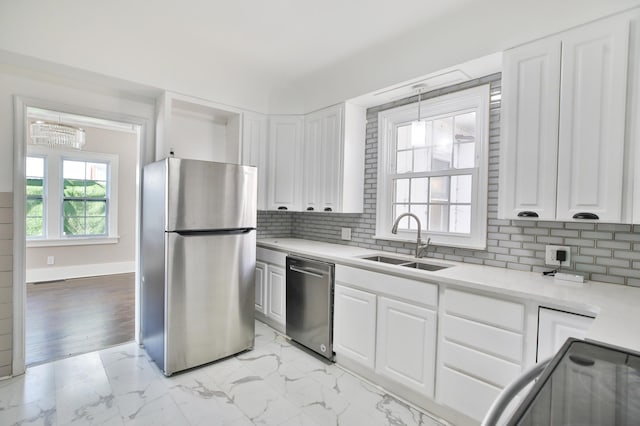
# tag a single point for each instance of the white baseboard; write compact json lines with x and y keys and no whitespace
{"x":56,"y":273}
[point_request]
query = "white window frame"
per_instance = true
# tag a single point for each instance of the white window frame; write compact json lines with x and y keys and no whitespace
{"x":476,"y":98}
{"x":54,"y":230}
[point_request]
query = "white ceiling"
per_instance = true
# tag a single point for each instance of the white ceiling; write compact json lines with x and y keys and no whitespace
{"x":252,"y":53}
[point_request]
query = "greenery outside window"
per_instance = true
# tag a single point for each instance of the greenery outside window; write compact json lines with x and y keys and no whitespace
{"x":85,"y":201}
{"x":436,"y":169}
{"x":35,"y":191}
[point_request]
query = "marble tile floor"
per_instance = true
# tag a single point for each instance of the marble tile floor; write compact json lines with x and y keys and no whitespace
{"x":275,"y":384}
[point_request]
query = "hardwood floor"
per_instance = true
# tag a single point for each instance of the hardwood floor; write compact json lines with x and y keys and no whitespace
{"x":77,"y":316}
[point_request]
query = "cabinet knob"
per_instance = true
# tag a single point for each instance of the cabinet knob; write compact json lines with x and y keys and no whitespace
{"x":310,"y":209}
{"x":528,"y":214}
{"x":282,"y":208}
{"x":328,"y":209}
{"x":586,"y":216}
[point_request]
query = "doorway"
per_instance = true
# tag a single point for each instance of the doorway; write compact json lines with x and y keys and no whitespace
{"x":81,"y":221}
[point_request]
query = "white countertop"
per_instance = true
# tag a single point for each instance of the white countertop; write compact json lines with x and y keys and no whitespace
{"x":616,"y":307}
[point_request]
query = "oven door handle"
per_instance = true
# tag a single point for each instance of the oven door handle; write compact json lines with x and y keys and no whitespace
{"x":306,"y":271}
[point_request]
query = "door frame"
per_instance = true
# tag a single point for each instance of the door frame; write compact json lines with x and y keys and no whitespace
{"x":145,"y":154}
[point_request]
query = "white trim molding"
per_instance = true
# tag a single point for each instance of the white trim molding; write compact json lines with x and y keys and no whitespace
{"x":57,"y":273}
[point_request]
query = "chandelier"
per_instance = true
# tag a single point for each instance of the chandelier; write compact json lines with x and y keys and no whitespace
{"x":56,"y":135}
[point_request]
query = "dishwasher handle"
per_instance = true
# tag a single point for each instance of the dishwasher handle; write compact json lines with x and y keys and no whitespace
{"x":307,"y":271}
{"x":504,"y":399}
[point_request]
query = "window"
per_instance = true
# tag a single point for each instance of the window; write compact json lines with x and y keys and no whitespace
{"x":85,"y":198}
{"x":35,"y":190}
{"x":71,"y":197}
{"x":435,"y":169}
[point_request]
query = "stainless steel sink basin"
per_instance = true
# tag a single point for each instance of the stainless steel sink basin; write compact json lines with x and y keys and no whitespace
{"x":424,"y":266}
{"x":384,"y":259}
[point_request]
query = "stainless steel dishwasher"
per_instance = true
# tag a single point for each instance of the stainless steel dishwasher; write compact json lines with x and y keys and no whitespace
{"x":310,"y":304}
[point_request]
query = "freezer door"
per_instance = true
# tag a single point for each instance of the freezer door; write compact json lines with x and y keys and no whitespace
{"x":204,"y":195}
{"x":210,"y":297}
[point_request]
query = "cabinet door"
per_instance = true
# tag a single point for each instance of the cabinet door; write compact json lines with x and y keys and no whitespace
{"x":555,"y":327}
{"x":312,"y":164}
{"x":354,"y":326}
{"x":331,"y":157}
{"x":285,"y":140}
{"x":261,"y":286}
{"x":276,"y":295}
{"x":254,"y":151}
{"x":406,"y":343}
{"x":529,"y":145}
{"x":592,"y":120}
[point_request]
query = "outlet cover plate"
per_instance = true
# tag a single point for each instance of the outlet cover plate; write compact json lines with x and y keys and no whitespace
{"x":550,"y":255}
{"x":346,"y":234}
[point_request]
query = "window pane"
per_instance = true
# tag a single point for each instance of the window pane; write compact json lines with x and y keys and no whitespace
{"x":464,"y":155}
{"x":96,"y":208}
{"x":442,"y":143}
{"x":465,"y":127}
{"x":96,"y":226}
{"x":461,"y":189}
{"x":403,"y":162}
{"x":35,"y":167}
{"x":398,"y":209}
{"x":402,"y":190}
{"x":439,"y":189}
{"x":73,"y":208}
{"x":460,"y":219}
{"x":96,"y":189}
{"x":421,"y":160}
{"x":74,"y":226}
{"x":35,"y":227}
{"x":35,"y":186}
{"x":96,"y":171}
{"x":438,"y":218}
{"x":73,"y":169}
{"x":419,"y":190}
{"x":73,"y":188}
{"x":35,"y":208}
{"x":419,"y":210}
{"x":404,"y":137}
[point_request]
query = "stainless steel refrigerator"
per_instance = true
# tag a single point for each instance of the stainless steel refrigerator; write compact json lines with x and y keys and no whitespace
{"x":198,"y":256}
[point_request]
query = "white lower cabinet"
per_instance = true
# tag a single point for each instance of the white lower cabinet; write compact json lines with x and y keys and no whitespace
{"x":555,"y":327}
{"x":261,"y":287}
{"x":406,"y":342}
{"x":481,"y":350}
{"x":271,"y":289}
{"x":355,"y":325}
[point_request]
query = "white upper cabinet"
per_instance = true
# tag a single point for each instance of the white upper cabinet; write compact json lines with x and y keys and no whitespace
{"x":563,"y":121}
{"x":529,"y":148}
{"x":284,"y":166}
{"x":254,"y":151}
{"x":333,"y":172}
{"x":593,"y":97}
{"x":197,"y":129}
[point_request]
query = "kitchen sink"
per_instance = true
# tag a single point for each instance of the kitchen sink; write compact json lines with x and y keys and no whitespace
{"x":424,"y":266}
{"x":384,"y":259}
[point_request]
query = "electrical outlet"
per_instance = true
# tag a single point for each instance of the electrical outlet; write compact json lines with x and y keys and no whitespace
{"x":551,"y":255}
{"x":346,"y":234}
{"x":51,"y":260}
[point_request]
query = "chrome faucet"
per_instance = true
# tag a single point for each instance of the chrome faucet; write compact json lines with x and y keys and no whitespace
{"x":420,"y":248}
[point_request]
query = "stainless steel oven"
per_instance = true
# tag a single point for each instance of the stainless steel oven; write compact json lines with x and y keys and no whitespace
{"x":310,"y":304}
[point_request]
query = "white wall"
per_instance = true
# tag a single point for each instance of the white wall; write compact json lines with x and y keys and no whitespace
{"x":72,"y":261}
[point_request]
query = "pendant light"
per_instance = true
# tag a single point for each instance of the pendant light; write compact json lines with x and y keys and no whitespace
{"x":56,"y":134}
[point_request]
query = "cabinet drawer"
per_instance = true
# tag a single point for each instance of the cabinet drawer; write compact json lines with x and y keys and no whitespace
{"x":502,"y":343}
{"x":410,"y":290}
{"x":465,"y":394}
{"x":271,"y":256}
{"x":499,"y":313}
{"x":493,"y":370}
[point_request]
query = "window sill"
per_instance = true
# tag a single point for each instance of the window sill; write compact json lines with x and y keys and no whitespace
{"x":80,"y":241}
{"x":436,"y":240}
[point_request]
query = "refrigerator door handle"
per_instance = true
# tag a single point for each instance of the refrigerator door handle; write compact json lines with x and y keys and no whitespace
{"x":215,"y":232}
